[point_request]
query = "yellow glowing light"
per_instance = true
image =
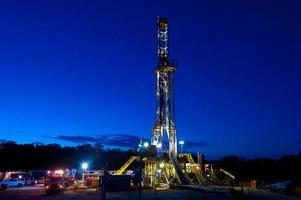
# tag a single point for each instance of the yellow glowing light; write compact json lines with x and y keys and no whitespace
{"x":161,"y":165}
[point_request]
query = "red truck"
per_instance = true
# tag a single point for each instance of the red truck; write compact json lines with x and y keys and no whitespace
{"x":57,"y":181}
{"x":54,"y":184}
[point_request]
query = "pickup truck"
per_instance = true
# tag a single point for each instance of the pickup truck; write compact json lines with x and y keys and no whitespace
{"x":13,"y":183}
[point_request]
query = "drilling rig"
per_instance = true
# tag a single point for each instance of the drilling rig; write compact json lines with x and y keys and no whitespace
{"x":165,"y":168}
{"x":165,"y":103}
{"x":165,"y":124}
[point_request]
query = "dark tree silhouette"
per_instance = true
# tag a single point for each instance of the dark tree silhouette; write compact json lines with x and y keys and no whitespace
{"x":37,"y":156}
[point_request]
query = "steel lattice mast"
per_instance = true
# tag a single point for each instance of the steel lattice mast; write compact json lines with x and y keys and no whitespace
{"x":165,"y":120}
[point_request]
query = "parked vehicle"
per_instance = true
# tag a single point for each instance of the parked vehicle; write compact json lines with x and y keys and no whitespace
{"x":54,"y":184}
{"x":13,"y":183}
{"x":69,"y":181}
{"x":40,"y":181}
{"x":281,"y":187}
{"x":30,"y":181}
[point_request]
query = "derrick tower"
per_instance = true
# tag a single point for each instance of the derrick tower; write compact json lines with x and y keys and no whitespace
{"x":165,"y":103}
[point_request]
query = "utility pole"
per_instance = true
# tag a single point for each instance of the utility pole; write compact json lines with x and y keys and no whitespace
{"x":104,"y":182}
{"x":140,"y":177}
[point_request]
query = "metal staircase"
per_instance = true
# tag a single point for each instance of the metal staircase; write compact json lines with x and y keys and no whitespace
{"x":194,"y":168}
{"x":126,"y":165}
{"x":182,"y":177}
{"x":227,"y":173}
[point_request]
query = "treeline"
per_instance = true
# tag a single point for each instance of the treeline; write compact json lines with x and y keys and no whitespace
{"x":287,"y":167}
{"x":37,"y":156}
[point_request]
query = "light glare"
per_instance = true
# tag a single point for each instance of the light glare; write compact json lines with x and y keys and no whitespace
{"x":85,"y":166}
{"x":145,"y":144}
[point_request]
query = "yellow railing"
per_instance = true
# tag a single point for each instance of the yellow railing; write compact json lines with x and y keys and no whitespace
{"x":194,"y":168}
{"x":126,"y":165}
{"x":227,"y":173}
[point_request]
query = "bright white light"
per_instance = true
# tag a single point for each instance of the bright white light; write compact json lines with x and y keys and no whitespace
{"x":20,"y":176}
{"x":139,"y":145}
{"x":85,"y":166}
{"x":159,"y":145}
{"x":181,"y":142}
{"x":145,"y":144}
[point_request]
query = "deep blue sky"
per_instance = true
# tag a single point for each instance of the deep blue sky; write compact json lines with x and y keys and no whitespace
{"x":85,"y":68}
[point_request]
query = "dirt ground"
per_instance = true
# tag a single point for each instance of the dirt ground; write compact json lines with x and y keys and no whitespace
{"x":38,"y":193}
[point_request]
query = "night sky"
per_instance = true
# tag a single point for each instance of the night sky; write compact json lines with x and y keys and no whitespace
{"x":72,"y":71}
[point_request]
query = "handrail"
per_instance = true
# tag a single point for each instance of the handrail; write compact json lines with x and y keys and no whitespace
{"x":194,"y":168}
{"x":126,"y":165}
{"x":227,"y":173}
{"x":183,"y":179}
